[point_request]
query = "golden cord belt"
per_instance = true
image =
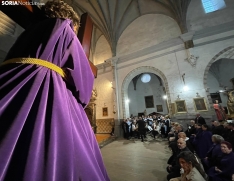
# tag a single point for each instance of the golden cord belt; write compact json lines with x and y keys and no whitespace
{"x":36,"y":61}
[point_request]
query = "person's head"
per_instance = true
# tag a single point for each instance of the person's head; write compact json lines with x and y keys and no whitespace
{"x":216,"y":101}
{"x":212,"y":122}
{"x":217,"y":139}
{"x":192,"y":122}
{"x":179,"y":128}
{"x":187,"y":161}
{"x":60,"y":9}
{"x":230,"y":125}
{"x":204,"y":127}
{"x":198,"y":115}
{"x":225,"y":125}
{"x":181,"y":143}
{"x":216,"y":123}
{"x":226,"y":147}
{"x":197,"y":126}
{"x":182,"y":135}
{"x":176,"y":124}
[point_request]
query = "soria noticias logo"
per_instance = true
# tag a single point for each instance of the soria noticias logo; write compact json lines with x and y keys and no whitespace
{"x":21,"y":3}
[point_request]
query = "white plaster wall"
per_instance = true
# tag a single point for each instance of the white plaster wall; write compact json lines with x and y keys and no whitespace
{"x":105,"y":96}
{"x":91,"y":55}
{"x":145,"y":31}
{"x":197,"y":19}
{"x":102,"y":51}
{"x":173,"y":65}
{"x":137,"y":97}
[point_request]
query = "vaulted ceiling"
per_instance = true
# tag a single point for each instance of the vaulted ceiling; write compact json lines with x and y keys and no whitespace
{"x":111,"y":17}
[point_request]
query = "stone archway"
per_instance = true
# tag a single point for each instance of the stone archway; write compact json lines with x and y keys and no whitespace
{"x":135,"y":72}
{"x":226,"y":53}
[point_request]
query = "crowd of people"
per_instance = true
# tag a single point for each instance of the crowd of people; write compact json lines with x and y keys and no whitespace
{"x":199,"y":152}
{"x":138,"y":127}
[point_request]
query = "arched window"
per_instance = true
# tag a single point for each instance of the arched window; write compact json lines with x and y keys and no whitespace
{"x":213,"y":5}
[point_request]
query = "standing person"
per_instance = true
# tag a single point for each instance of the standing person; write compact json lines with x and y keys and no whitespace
{"x":219,"y":110}
{"x":141,"y":128}
{"x":46,"y":82}
{"x":199,"y":120}
{"x":168,"y":124}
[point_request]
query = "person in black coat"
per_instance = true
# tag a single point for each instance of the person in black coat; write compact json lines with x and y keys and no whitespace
{"x":199,"y":120}
{"x":191,"y":129}
{"x":218,"y":128}
{"x":174,"y":167}
{"x":141,"y":128}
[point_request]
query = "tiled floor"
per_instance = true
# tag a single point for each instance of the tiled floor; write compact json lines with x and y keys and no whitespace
{"x":133,"y":160}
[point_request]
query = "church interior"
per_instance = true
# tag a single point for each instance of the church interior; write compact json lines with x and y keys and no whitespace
{"x":163,"y":57}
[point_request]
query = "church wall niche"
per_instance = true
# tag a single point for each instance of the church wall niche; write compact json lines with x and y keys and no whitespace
{"x":137,"y":97}
{"x":125,"y":87}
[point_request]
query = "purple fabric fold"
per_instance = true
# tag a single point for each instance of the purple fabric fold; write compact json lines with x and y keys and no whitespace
{"x":45,"y":134}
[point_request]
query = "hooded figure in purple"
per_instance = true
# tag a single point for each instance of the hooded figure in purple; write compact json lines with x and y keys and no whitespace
{"x":44,"y":132}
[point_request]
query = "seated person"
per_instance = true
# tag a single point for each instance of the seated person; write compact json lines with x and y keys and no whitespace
{"x":174,"y":167}
{"x":178,"y":129}
{"x":190,"y":167}
{"x":156,"y":129}
{"x":173,"y":128}
{"x":214,"y":154}
{"x":174,"y":147}
{"x":191,"y":129}
{"x":225,"y":170}
{"x":218,"y":128}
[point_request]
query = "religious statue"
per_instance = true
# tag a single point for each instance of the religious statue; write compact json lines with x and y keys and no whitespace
{"x":145,"y":113}
{"x":94,"y":95}
{"x":219,"y":110}
{"x":230,"y":102}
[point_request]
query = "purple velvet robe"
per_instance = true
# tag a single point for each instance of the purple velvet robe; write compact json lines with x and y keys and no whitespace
{"x":44,"y":132}
{"x":202,"y":143}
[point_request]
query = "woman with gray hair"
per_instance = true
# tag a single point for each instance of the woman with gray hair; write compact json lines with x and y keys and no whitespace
{"x":214,"y":154}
